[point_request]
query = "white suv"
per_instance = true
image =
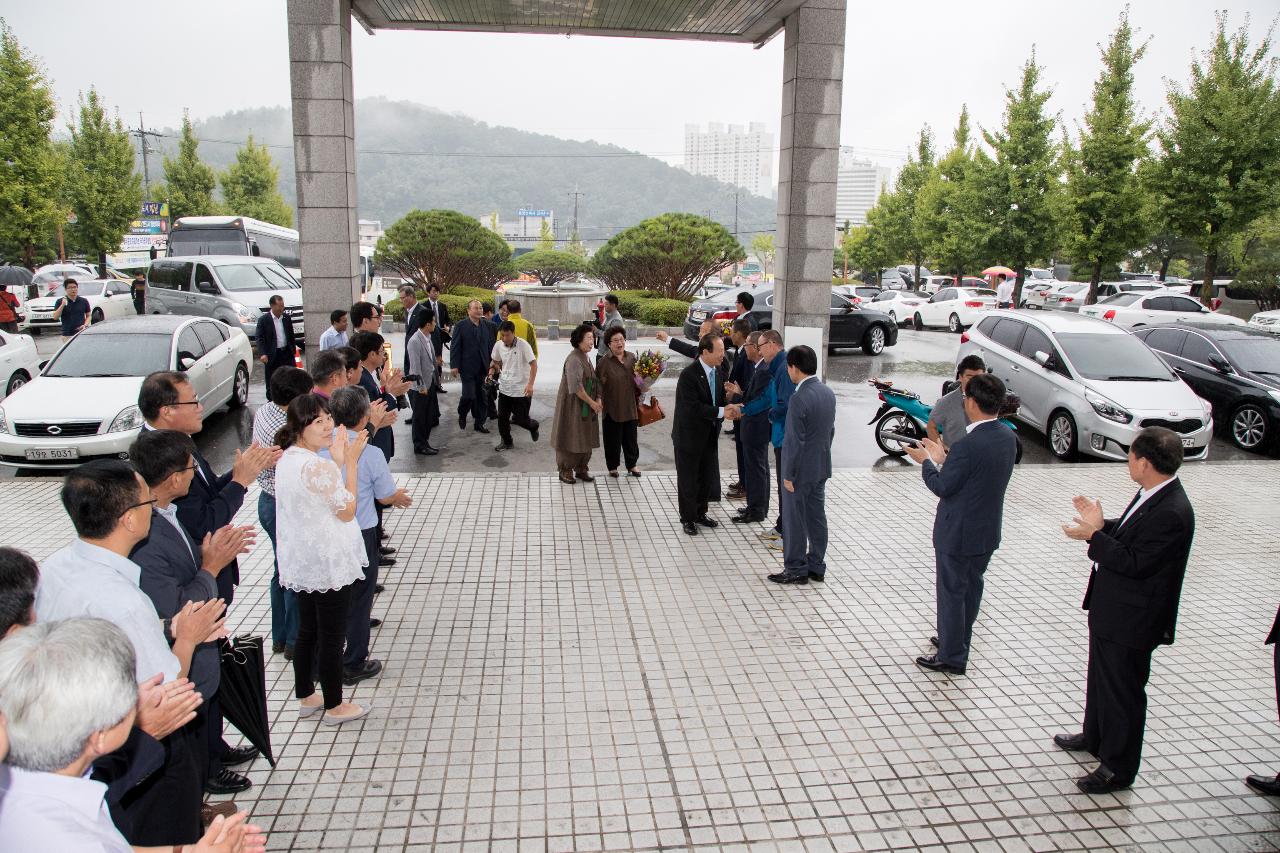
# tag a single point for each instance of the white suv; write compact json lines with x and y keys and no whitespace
{"x":1088,"y":385}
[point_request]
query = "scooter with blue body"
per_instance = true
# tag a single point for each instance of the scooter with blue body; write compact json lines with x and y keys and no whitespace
{"x":903,"y":417}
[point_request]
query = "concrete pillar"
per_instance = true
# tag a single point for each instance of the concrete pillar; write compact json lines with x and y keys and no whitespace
{"x":324,"y":151}
{"x":812,"y":75}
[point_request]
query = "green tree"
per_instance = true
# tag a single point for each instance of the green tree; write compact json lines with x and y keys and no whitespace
{"x":763,"y":247}
{"x":443,"y":247}
{"x":865,"y":246}
{"x":673,"y":254}
{"x":104,"y":191}
{"x":1221,"y":144}
{"x":1105,"y":221}
{"x":898,"y":222}
{"x":575,"y":244}
{"x":1024,"y":179}
{"x":189,"y":180}
{"x":250,"y":186}
{"x":31,"y":172}
{"x":948,"y":206}
{"x":550,"y":266}
{"x":546,"y":239}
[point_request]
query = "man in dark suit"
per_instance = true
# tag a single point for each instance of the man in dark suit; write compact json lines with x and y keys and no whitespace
{"x":1139,"y":561}
{"x":806,"y":467}
{"x":274,"y":335}
{"x":745,"y":302}
{"x":1270,"y":784}
{"x":412,"y":308}
{"x":441,"y":335}
{"x":756,"y":430}
{"x":372,"y":351}
{"x":470,"y":355}
{"x":695,"y":427}
{"x":966,"y":529}
{"x":735,"y":388}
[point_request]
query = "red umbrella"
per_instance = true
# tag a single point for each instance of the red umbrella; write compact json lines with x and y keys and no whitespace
{"x":990,"y":271}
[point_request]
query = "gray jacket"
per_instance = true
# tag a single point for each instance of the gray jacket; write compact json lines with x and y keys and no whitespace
{"x":811,"y":425}
{"x":422,"y":356}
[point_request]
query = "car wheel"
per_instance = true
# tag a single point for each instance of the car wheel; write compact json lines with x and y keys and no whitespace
{"x":1062,"y":435}
{"x":240,"y":391}
{"x":873,"y":341}
{"x":954,"y":324}
{"x":16,"y":381}
{"x":919,"y":322}
{"x":1249,"y":427}
{"x":900,"y":423}
{"x":96,"y":316}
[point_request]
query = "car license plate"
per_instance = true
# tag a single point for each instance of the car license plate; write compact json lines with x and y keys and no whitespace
{"x":1188,"y":442}
{"x":47,"y":453}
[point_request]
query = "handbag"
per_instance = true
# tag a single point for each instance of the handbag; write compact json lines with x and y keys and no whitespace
{"x":651,"y":412}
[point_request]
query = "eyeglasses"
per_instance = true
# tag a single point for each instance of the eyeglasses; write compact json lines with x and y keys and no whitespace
{"x":186,"y":403}
{"x":143,"y":503}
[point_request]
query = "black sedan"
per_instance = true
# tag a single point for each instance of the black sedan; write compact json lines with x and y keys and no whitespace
{"x":1235,"y":368}
{"x":851,"y":326}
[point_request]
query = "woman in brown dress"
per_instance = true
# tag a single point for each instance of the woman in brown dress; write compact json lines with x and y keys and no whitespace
{"x":575,"y":431}
{"x":616,"y":370}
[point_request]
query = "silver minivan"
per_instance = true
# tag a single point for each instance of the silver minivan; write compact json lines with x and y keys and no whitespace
{"x":232,"y":288}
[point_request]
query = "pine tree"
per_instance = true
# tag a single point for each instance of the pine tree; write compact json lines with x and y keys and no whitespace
{"x":104,"y":191}
{"x":250,"y":186}
{"x":190,"y":181}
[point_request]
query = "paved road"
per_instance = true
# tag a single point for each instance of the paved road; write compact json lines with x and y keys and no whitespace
{"x":921,"y":361}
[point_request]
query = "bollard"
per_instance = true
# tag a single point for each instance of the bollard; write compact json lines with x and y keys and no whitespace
{"x":553,"y":330}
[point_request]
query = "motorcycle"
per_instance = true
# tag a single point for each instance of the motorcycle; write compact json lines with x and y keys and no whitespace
{"x":903,"y":416}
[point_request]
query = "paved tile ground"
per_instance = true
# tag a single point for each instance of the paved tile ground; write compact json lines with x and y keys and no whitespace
{"x":566,"y":671}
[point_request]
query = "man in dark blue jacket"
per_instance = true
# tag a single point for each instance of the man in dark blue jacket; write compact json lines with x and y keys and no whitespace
{"x":274,"y":336}
{"x":470,"y":354}
{"x":754,"y":430}
{"x":966,"y":529}
{"x":371,"y":347}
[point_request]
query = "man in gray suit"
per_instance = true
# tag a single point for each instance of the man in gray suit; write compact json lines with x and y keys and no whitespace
{"x":422,"y":396}
{"x":966,"y":529}
{"x":806,"y":467}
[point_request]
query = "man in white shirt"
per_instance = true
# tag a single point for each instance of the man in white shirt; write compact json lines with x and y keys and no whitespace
{"x":1004,"y":291}
{"x":336,"y":335}
{"x":516,"y":367}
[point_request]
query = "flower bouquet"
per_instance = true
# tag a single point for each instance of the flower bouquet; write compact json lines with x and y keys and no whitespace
{"x":649,"y":367}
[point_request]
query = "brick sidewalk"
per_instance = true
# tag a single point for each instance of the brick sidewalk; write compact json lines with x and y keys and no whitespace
{"x":581,"y":676}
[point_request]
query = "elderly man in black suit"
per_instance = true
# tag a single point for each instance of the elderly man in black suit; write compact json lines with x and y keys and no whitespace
{"x":970,"y":481}
{"x":1270,"y":784}
{"x":274,"y":336}
{"x":1139,"y":561}
{"x":695,"y":426}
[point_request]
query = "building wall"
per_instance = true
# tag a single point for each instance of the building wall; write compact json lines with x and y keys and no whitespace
{"x":859,"y":183}
{"x":735,"y":155}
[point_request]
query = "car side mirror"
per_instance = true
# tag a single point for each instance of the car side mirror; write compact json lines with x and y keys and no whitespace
{"x":1219,"y":364}
{"x":207,"y":287}
{"x":185,"y":361}
{"x":106,"y":294}
{"x":1044,"y":359}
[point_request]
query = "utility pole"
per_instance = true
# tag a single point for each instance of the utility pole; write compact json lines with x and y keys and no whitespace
{"x":142,"y":133}
{"x":575,"y":195}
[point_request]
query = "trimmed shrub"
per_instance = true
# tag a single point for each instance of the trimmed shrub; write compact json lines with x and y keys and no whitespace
{"x":393,"y":309}
{"x":631,"y":301}
{"x":663,"y":312}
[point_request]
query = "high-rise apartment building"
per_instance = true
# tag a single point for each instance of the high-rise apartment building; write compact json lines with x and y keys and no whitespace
{"x":733,"y":155}
{"x":859,"y":184}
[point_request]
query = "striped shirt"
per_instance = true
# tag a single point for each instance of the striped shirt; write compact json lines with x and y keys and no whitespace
{"x":266,"y":423}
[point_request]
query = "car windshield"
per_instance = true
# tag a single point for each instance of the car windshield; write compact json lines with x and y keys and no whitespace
{"x":1121,"y":299}
{"x":244,"y":277}
{"x":1039,"y":274}
{"x":1255,"y":354}
{"x":1114,"y":358}
{"x":87,"y":288}
{"x":117,"y":354}
{"x":201,"y":241}
{"x":976,"y":291}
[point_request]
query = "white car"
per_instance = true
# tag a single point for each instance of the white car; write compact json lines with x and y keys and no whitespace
{"x":19,"y":362}
{"x":1089,"y":386}
{"x":1069,"y":297}
{"x":84,"y":405}
{"x":900,"y":305}
{"x":1267,"y":321}
{"x":955,"y":308}
{"x":1034,"y":294}
{"x":108,"y":298}
{"x":49,"y":277}
{"x":1134,"y":310}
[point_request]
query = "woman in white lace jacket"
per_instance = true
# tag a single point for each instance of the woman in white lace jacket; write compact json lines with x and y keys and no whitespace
{"x":319,"y":549}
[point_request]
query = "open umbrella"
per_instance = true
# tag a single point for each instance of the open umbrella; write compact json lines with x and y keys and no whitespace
{"x":15,"y":276}
{"x":243,"y":692}
{"x":990,"y":271}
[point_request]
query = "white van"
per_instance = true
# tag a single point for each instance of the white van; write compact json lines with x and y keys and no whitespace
{"x":232,"y":288}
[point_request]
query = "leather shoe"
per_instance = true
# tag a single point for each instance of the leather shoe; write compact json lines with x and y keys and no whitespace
{"x":425,"y":451}
{"x":743,"y":518}
{"x":1101,"y":781}
{"x":383,"y":536}
{"x":689,"y":528}
{"x":818,"y":577}
{"x":227,"y":782}
{"x":375,"y":623}
{"x":933,"y":641}
{"x":503,"y":447}
{"x":377,"y":588}
{"x":1071,"y":743}
{"x":706,"y":522}
{"x":237,"y":755}
{"x":1264,"y":784}
{"x":368,"y":669}
{"x":277,"y":648}
{"x":484,"y":430}
{"x":586,"y":478}
{"x":932,"y":663}
{"x":784,"y":577}
{"x":386,"y":561}
{"x":386,"y":550}
{"x":533,"y":433}
{"x":567,"y":479}
{"x":288,"y":652}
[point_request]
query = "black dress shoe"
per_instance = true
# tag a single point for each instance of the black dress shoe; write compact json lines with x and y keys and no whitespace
{"x":368,"y":669}
{"x":386,"y":561}
{"x":277,"y":648}
{"x":1264,"y":784}
{"x":786,"y":577}
{"x":933,"y":641}
{"x":383,"y":536}
{"x":932,"y":663}
{"x":375,"y":623}
{"x":386,"y":550}
{"x":484,"y":430}
{"x":689,"y":528}
{"x":288,"y":652}
{"x":1101,"y":781}
{"x":743,"y":518}
{"x":533,"y":433}
{"x":426,"y":451}
{"x":377,"y":588}
{"x":706,"y":522}
{"x":586,"y":478}
{"x":1071,"y":743}
{"x":227,"y":782}
{"x":818,"y":577}
{"x":502,"y":448}
{"x":237,"y":755}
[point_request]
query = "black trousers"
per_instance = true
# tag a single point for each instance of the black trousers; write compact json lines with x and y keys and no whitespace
{"x":959,"y":581}
{"x":426,"y":414}
{"x":211,"y":723}
{"x":322,"y":629}
{"x":514,"y":410}
{"x":164,"y":809}
{"x":1275,"y":663}
{"x":777,"y":470}
{"x":697,"y":479}
{"x":360,"y":607}
{"x":754,"y":469}
{"x":282,"y":358}
{"x":740,"y":453}
{"x":621,"y":440}
{"x":472,"y":399}
{"x":1115,"y":705}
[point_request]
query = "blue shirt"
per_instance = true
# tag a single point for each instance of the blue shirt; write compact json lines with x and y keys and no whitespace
{"x":373,"y":482}
{"x":73,"y":315}
{"x":332,"y":339}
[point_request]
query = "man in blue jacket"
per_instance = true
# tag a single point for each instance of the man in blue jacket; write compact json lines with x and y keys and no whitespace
{"x":755,"y":431}
{"x":469,"y":357}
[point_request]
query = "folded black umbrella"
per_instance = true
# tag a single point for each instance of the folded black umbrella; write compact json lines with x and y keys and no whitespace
{"x":243,"y":691}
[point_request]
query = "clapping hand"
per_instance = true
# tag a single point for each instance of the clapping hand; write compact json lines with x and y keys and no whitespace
{"x":232,"y":835}
{"x":396,"y":384}
{"x":225,"y":544}
{"x":927,"y":449}
{"x":200,"y":622}
{"x":165,"y":708}
{"x":661,"y":336}
{"x":401,"y":499}
{"x":379,"y":416}
{"x":1088,"y":520}
{"x":252,"y":461}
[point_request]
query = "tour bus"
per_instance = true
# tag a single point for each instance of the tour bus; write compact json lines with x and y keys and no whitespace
{"x":366,"y":268}
{"x":235,"y":235}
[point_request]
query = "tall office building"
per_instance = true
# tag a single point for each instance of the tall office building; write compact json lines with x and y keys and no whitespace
{"x":859,"y":184}
{"x":735,"y":156}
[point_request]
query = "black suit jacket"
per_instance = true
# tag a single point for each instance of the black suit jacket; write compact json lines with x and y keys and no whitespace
{"x":756,"y":428}
{"x":1274,"y":635}
{"x":211,"y":503}
{"x":741,"y":371}
{"x":266,"y":338}
{"x":439,"y":337}
{"x":971,"y":485}
{"x":1133,"y":592}
{"x":695,"y":424}
{"x":685,"y":348}
{"x":383,"y":439}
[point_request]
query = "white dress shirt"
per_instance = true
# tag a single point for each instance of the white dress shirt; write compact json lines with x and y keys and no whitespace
{"x":1144,"y":495}
{"x":45,"y":811}
{"x":279,"y":323}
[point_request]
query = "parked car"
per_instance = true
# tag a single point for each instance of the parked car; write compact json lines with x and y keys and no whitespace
{"x":108,"y":299}
{"x":931,"y":284}
{"x":851,"y":326}
{"x":1147,"y":308}
{"x":890,"y":279}
{"x":1237,"y":369}
{"x":84,"y":404}
{"x":719,"y":306}
{"x":858,"y":294}
{"x":19,"y":362}
{"x":955,"y":308}
{"x":1034,"y":296}
{"x":1267,"y":321}
{"x":48,"y":278}
{"x":235,"y":289}
{"x":1067,"y":298}
{"x":900,"y":305}
{"x":1087,"y":384}
{"x":1107,"y":289}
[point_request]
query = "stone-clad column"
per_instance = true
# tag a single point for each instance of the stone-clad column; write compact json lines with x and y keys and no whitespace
{"x":812,"y":75}
{"x":325,"y":156}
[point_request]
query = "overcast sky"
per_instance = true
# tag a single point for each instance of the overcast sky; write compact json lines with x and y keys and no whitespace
{"x":906,"y":64}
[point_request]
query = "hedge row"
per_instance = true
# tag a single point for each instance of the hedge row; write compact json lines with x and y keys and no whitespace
{"x":662,"y":312}
{"x":630,"y":302}
{"x":457,"y":306}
